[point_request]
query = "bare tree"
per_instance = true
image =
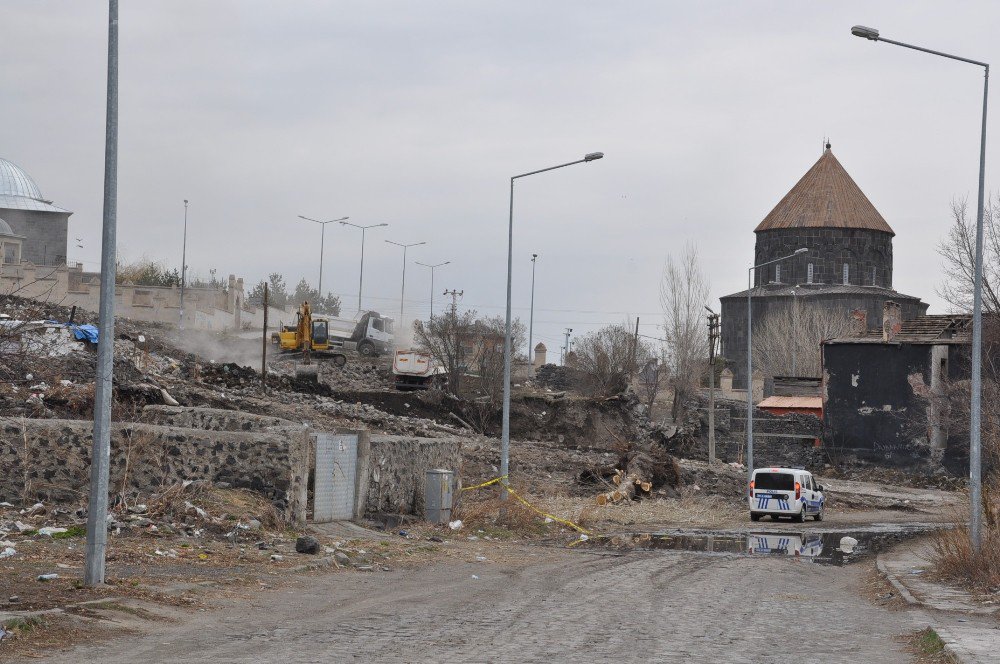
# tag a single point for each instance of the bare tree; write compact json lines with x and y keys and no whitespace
{"x":608,"y":358}
{"x":684,"y":292}
{"x":445,"y":337}
{"x":958,"y":249}
{"x":787,"y":341}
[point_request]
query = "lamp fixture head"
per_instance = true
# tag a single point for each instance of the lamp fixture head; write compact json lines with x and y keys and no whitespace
{"x":866,"y":32}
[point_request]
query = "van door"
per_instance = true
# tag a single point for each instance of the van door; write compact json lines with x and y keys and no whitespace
{"x":809,"y":493}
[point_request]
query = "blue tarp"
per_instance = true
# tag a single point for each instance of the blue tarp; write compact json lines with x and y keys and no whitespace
{"x":85,"y":332}
{"x":81,"y":332}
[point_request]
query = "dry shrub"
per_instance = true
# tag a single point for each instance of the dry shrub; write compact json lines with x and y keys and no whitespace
{"x":221,"y":505}
{"x":501,"y":517}
{"x":956,"y":561}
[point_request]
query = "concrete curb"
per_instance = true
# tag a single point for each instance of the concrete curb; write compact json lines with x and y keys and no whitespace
{"x":896,"y":583}
{"x":959,"y":653}
{"x":952,"y":645}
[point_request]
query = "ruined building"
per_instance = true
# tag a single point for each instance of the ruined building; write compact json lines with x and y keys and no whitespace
{"x":886,"y":391}
{"x":847,"y":265}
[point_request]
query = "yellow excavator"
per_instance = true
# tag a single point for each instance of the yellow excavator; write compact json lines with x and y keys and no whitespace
{"x":308,"y":336}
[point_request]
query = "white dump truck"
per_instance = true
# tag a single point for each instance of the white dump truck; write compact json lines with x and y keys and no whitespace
{"x":417,"y":370}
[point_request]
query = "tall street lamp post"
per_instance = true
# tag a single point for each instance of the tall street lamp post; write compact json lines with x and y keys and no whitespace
{"x":322,"y":238}
{"x":402,"y":288}
{"x":975,"y":412}
{"x":361,"y":278}
{"x":505,"y":429}
{"x":750,"y":357}
{"x":432,"y":280}
{"x":184,"y":248}
{"x":100,"y":459}
{"x":531,"y":319}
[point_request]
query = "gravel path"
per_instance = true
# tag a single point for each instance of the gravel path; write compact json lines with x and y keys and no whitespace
{"x":543,"y":606}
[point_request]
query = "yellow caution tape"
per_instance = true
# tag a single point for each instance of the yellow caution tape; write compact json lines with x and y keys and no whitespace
{"x":480,"y":486}
{"x":524,"y":502}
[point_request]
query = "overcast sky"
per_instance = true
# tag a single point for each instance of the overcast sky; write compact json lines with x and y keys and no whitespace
{"x":417,"y":113}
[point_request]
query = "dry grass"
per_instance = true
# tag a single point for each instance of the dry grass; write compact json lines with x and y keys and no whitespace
{"x":957,"y":561}
{"x":691,"y":510}
{"x":220,"y":504}
{"x":501,"y":519}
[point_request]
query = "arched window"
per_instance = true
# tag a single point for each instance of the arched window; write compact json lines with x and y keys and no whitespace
{"x":847,"y":274}
{"x":874,"y":272}
{"x":777,"y":274}
{"x":809,"y":273}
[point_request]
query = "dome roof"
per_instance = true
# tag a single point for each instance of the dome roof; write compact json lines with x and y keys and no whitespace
{"x":15,"y":182}
{"x":825,"y":197}
{"x":19,"y":192}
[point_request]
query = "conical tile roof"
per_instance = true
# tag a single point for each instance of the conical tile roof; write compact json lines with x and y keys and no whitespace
{"x":825,"y":197}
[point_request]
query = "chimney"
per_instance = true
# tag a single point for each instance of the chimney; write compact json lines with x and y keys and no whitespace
{"x":859,"y":322}
{"x":540,"y":351}
{"x":891,"y":320}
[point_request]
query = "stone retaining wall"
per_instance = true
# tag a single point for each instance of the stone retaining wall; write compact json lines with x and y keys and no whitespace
{"x":396,"y":471}
{"x":50,"y":460}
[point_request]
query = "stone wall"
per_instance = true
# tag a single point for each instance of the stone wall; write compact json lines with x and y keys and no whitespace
{"x":396,"y":471}
{"x":44,"y":234}
{"x":50,"y":460}
{"x":828,"y":250}
{"x":391,"y":469}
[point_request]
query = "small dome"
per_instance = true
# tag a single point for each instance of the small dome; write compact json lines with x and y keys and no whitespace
{"x":15,"y":182}
{"x":540,"y":346}
{"x":5,"y":228}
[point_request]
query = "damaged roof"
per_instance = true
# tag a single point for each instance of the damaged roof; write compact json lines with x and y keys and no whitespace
{"x":825,"y":197}
{"x":792,"y":402}
{"x":932,"y":329}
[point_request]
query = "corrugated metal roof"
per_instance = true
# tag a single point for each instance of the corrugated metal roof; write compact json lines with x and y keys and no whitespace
{"x":825,"y":197}
{"x":791,"y":402}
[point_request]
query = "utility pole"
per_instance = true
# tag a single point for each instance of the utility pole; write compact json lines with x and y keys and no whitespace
{"x":713,"y":338}
{"x":263,"y":351}
{"x":97,"y":506}
{"x":455,"y":294}
{"x":184,"y":261}
{"x":531,"y":320}
{"x":566,"y":346}
{"x":634,"y":369}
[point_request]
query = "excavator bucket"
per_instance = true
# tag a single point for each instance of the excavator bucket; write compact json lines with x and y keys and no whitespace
{"x":309,"y":372}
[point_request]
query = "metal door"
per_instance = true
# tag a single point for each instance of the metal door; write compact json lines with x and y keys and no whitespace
{"x":336,"y":470}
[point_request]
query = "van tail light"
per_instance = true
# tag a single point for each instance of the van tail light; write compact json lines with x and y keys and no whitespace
{"x":798,"y":491}
{"x":751,"y":488}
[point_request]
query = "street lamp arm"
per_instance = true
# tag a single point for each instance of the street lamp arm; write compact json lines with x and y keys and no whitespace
{"x":932,"y":51}
{"x":593,"y":156}
{"x":795,"y":253}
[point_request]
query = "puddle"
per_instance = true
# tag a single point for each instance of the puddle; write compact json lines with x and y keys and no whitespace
{"x":813,"y":546}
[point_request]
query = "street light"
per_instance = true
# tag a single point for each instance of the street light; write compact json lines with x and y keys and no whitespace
{"x":975,"y":440}
{"x":402,"y":288}
{"x":531,"y":318}
{"x":505,"y":428}
{"x":361,"y":279}
{"x":432,"y":280}
{"x":750,"y":357}
{"x":322,"y":237}
{"x":184,"y":247}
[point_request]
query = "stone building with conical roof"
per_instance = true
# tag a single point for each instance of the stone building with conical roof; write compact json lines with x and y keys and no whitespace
{"x":846,"y":268}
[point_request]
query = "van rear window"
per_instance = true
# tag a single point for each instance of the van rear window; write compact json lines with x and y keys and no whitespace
{"x":776,"y":481}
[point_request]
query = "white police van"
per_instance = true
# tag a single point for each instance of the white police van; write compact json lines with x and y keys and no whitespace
{"x":789,"y":492}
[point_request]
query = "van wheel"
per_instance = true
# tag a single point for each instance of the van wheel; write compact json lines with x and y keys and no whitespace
{"x":819,"y":515}
{"x":801,"y":518}
{"x":755,"y":517}
{"x":366,"y":349}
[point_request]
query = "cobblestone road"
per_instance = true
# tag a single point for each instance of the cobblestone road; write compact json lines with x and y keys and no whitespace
{"x":553,"y":606}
